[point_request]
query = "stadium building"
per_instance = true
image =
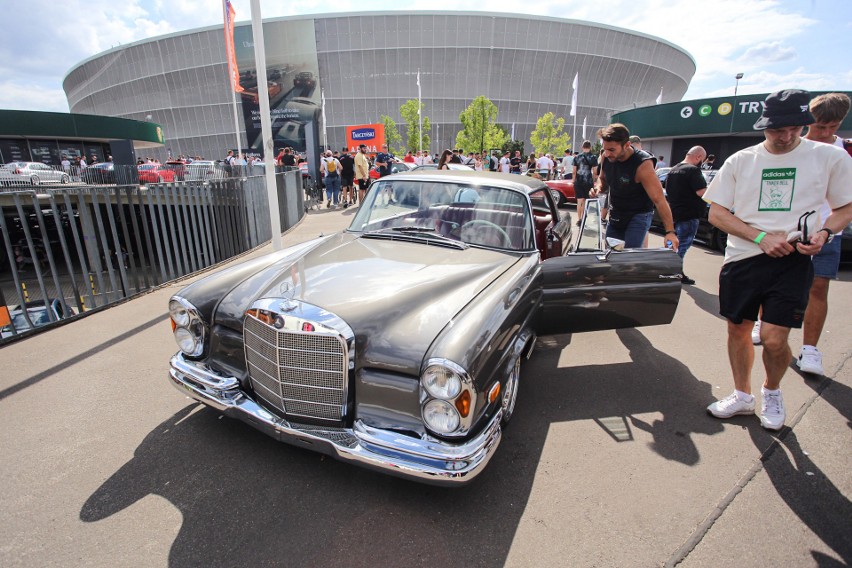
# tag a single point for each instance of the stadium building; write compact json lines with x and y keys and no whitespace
{"x":365,"y":65}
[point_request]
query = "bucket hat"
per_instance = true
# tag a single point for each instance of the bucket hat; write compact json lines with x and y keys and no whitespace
{"x":786,"y":108}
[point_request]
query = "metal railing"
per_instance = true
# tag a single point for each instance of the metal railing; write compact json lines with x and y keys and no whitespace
{"x":88,"y":246}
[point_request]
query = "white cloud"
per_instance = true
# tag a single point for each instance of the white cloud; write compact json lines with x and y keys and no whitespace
{"x":771,"y":52}
{"x":760,"y":38}
{"x":31,"y":96}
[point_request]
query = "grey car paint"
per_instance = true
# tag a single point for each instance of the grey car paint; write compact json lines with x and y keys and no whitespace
{"x":408,"y":301}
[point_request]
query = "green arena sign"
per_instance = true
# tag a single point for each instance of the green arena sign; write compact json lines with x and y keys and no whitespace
{"x":723,"y":115}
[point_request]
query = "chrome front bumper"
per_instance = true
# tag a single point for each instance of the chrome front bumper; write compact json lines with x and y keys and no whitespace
{"x":428,"y":461}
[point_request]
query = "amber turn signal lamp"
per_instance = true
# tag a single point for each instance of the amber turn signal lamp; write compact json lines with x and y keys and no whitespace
{"x":494,"y":392}
{"x":174,"y":325}
{"x":261,"y":315}
{"x":463,"y":404}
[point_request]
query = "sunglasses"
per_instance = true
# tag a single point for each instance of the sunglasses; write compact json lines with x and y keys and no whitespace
{"x":803,"y":226}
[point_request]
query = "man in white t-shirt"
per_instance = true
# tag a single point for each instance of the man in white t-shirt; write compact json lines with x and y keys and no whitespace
{"x":504,"y":163}
{"x":544,"y":165}
{"x":773,"y":231}
{"x":829,"y":110}
{"x":566,"y":165}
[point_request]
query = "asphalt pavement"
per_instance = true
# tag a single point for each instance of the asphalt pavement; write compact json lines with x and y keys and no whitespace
{"x":610,"y":460}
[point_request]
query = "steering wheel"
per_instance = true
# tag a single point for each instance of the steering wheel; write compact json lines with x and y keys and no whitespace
{"x":472,"y":225}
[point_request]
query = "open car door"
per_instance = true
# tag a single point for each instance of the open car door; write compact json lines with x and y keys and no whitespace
{"x":591,"y":289}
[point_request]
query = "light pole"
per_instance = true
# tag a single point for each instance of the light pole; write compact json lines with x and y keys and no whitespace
{"x":738,"y":76}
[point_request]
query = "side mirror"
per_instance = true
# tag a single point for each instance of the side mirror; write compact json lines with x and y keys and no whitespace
{"x":615,"y":244}
{"x":612,"y":244}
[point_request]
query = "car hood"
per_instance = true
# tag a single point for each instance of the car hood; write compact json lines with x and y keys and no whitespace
{"x":396,"y":296}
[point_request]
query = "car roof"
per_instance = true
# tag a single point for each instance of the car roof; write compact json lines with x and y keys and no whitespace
{"x":520,"y":183}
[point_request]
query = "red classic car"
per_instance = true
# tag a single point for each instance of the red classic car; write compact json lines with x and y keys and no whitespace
{"x":562,"y":191}
{"x":155,"y":173}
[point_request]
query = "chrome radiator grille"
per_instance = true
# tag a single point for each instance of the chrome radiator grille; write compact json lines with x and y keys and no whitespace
{"x":302,"y":374}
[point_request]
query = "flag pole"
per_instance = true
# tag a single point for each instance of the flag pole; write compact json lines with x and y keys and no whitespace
{"x":419,"y":116}
{"x":268,"y":151}
{"x":574,"y":85}
{"x":231,"y":56}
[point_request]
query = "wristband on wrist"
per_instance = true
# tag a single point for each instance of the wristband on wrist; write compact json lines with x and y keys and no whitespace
{"x":672,"y":232}
{"x":759,"y":237}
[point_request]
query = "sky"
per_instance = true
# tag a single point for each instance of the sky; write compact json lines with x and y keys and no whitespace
{"x":776,"y":44}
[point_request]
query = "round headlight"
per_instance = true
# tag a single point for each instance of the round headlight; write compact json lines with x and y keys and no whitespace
{"x":186,"y":341}
{"x":178,"y":313}
{"x":441,"y":417}
{"x":441,"y":382}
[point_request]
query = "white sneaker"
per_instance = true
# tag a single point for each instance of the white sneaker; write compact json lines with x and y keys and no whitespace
{"x":755,"y":333}
{"x":731,"y":405}
{"x":772,"y":414}
{"x":810,"y":361}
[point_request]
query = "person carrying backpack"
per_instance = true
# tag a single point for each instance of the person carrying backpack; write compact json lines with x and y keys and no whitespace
{"x":331,"y":171}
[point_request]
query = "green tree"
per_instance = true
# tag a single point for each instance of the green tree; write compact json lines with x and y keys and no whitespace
{"x":392,"y":136}
{"x":480,"y":131}
{"x":596,"y":148}
{"x":511,"y":145}
{"x":548,"y":138}
{"x":408,"y":112}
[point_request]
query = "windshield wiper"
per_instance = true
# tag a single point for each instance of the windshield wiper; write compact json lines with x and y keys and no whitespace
{"x":415,"y":233}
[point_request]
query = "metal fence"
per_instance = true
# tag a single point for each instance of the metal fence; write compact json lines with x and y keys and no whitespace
{"x":67,"y":250}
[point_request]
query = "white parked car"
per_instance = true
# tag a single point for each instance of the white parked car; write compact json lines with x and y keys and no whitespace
{"x":204,"y":170}
{"x":31,"y":173}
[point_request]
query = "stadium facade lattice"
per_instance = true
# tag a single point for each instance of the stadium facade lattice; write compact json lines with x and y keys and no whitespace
{"x":365,"y":65}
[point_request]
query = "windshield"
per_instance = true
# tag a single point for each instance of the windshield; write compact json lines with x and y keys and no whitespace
{"x":472,"y":214}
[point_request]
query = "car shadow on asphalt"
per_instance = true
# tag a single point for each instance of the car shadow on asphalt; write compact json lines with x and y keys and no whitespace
{"x":704,"y":300}
{"x":246,"y":499}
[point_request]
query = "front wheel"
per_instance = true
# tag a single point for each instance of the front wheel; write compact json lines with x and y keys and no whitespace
{"x":510,"y":392}
{"x":34,"y":180}
{"x":65,"y":180}
{"x":558,"y":198}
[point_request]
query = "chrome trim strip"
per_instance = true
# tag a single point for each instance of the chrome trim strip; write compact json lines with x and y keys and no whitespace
{"x":427,"y":460}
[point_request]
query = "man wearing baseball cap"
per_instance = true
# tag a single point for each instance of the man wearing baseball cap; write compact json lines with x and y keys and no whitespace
{"x":765,"y":198}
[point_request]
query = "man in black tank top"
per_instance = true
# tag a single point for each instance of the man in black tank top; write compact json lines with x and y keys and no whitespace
{"x":634,"y":190}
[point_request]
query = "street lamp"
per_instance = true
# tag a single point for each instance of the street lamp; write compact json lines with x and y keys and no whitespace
{"x":738,"y":76}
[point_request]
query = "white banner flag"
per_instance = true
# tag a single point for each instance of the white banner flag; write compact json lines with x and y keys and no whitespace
{"x":584,"y":128}
{"x":574,"y":96}
{"x":660,"y":97}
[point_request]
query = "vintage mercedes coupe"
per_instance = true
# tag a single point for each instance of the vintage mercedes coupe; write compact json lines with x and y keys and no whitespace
{"x":397,"y":344}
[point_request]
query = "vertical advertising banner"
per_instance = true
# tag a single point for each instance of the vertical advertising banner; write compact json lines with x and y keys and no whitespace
{"x":233,"y":69}
{"x":292,"y":74}
{"x":372,"y":135}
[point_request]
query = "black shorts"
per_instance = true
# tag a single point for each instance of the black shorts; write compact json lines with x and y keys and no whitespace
{"x":346,"y":180}
{"x":780,"y":285}
{"x":581,"y":191}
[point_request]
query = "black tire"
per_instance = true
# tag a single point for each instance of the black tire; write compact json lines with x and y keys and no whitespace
{"x":159,"y":179}
{"x":34,"y":180}
{"x":65,"y":180}
{"x":558,"y":197}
